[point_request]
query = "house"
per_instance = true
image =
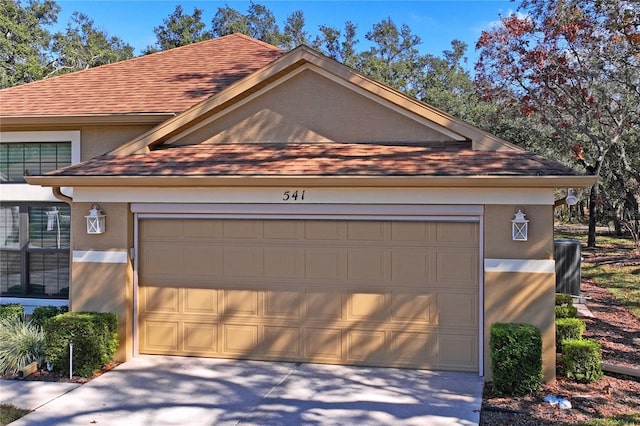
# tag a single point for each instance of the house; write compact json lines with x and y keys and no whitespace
{"x":272,"y":205}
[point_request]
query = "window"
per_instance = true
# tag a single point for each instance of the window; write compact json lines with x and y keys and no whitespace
{"x":18,"y":160}
{"x":34,"y":249}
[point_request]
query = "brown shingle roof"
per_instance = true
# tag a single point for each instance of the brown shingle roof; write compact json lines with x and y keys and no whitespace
{"x":169,"y":81}
{"x":325,"y":159}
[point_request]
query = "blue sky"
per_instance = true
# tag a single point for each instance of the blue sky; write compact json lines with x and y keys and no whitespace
{"x":437,"y":22}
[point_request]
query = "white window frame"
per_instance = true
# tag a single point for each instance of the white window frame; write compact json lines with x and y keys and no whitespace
{"x":24,"y":191}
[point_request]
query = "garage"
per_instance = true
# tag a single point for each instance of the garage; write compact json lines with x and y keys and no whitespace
{"x":355,"y":292}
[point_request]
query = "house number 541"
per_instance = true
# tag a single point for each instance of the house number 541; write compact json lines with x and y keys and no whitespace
{"x":296,"y":195}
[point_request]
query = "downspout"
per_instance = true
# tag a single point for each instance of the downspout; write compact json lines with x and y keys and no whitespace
{"x":65,"y":199}
{"x":60,"y":196}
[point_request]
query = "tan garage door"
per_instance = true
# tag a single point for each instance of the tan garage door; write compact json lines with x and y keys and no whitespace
{"x":342,"y":292}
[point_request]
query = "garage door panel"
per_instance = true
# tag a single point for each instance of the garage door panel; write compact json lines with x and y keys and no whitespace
{"x":454,"y":232}
{"x":368,"y":293}
{"x":366,"y":231}
{"x":159,"y":230}
{"x":282,"y":303}
{"x":367,"y":307}
{"x":161,"y":336}
{"x":200,"y":301}
{"x":200,"y":337}
{"x":323,"y":344}
{"x":366,"y":264}
{"x":283,"y":262}
{"x":283,"y":229}
{"x":201,"y":229}
{"x":410,"y":231}
{"x":241,"y":340}
{"x":413,"y":265}
{"x":461,"y":352}
{"x":242,"y":229}
{"x":414,"y":348}
{"x":323,"y":230}
{"x":238,"y":261}
{"x":238,"y":303}
{"x":281,"y":342}
{"x":323,"y":305}
{"x":367,"y":345}
{"x":160,"y":259}
{"x":457,"y":268}
{"x":160,"y":300}
{"x":413,"y":308}
{"x":457,"y":309}
{"x":324,"y":264}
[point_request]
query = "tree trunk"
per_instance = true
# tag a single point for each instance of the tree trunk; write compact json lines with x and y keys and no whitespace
{"x":593,"y":196}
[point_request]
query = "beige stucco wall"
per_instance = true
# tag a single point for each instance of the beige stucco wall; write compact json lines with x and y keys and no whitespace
{"x":520,"y":296}
{"x":105,"y":286}
{"x":98,"y":140}
{"x":312,"y":108}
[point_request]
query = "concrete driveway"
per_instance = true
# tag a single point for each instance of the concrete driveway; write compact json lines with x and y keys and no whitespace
{"x":159,"y":390}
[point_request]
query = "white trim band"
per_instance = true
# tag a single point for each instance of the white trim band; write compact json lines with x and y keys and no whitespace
{"x":531,"y":266}
{"x":95,"y":256}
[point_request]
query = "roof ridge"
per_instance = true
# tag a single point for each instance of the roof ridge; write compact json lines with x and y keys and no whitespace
{"x":255,"y":40}
{"x":150,"y":56}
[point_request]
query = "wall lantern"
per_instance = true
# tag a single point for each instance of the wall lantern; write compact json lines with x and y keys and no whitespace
{"x":571,"y":199}
{"x":519,"y":227}
{"x":96,"y":223}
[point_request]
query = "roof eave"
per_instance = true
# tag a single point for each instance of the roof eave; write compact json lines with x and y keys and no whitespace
{"x":315,"y":181}
{"x":153,"y":118}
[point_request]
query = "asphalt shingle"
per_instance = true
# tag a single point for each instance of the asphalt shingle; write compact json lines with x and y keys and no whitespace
{"x":320,"y":159}
{"x":166,"y":82}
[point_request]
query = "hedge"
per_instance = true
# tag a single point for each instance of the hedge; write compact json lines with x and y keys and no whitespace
{"x":516,"y":358}
{"x":94,"y":337}
{"x":568,"y":329}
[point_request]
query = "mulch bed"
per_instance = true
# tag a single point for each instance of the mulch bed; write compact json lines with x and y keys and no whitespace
{"x":618,"y":332}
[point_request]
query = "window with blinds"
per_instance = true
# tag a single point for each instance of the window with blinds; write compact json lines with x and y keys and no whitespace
{"x":34,"y":249}
{"x":18,"y":160}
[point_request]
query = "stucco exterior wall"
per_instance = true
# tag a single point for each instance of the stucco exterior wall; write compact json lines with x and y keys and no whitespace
{"x":526,"y":296}
{"x":98,"y":140}
{"x":312,"y":108}
{"x":101,"y":270}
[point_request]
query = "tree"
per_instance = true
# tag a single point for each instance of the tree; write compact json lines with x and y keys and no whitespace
{"x":227,"y":21}
{"x":338,"y":45}
{"x":394,"y":58}
{"x":294,"y":34}
{"x":575,"y":65}
{"x":83,"y":46}
{"x":179,"y":29}
{"x":24,"y":40}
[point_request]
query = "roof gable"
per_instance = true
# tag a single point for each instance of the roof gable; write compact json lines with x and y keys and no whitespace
{"x":306,"y":64}
{"x":165,"y":82}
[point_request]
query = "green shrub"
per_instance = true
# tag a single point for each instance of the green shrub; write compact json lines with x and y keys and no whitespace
{"x":564,"y":299}
{"x":43,"y":313}
{"x":566,"y":312}
{"x":94,"y":337}
{"x":11,"y":310}
{"x":568,"y":329}
{"x":516,"y":358}
{"x":21,"y":343}
{"x":581,"y":360}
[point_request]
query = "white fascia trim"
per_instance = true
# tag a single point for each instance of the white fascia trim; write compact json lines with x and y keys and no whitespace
{"x":530,"y":266}
{"x":97,"y":256}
